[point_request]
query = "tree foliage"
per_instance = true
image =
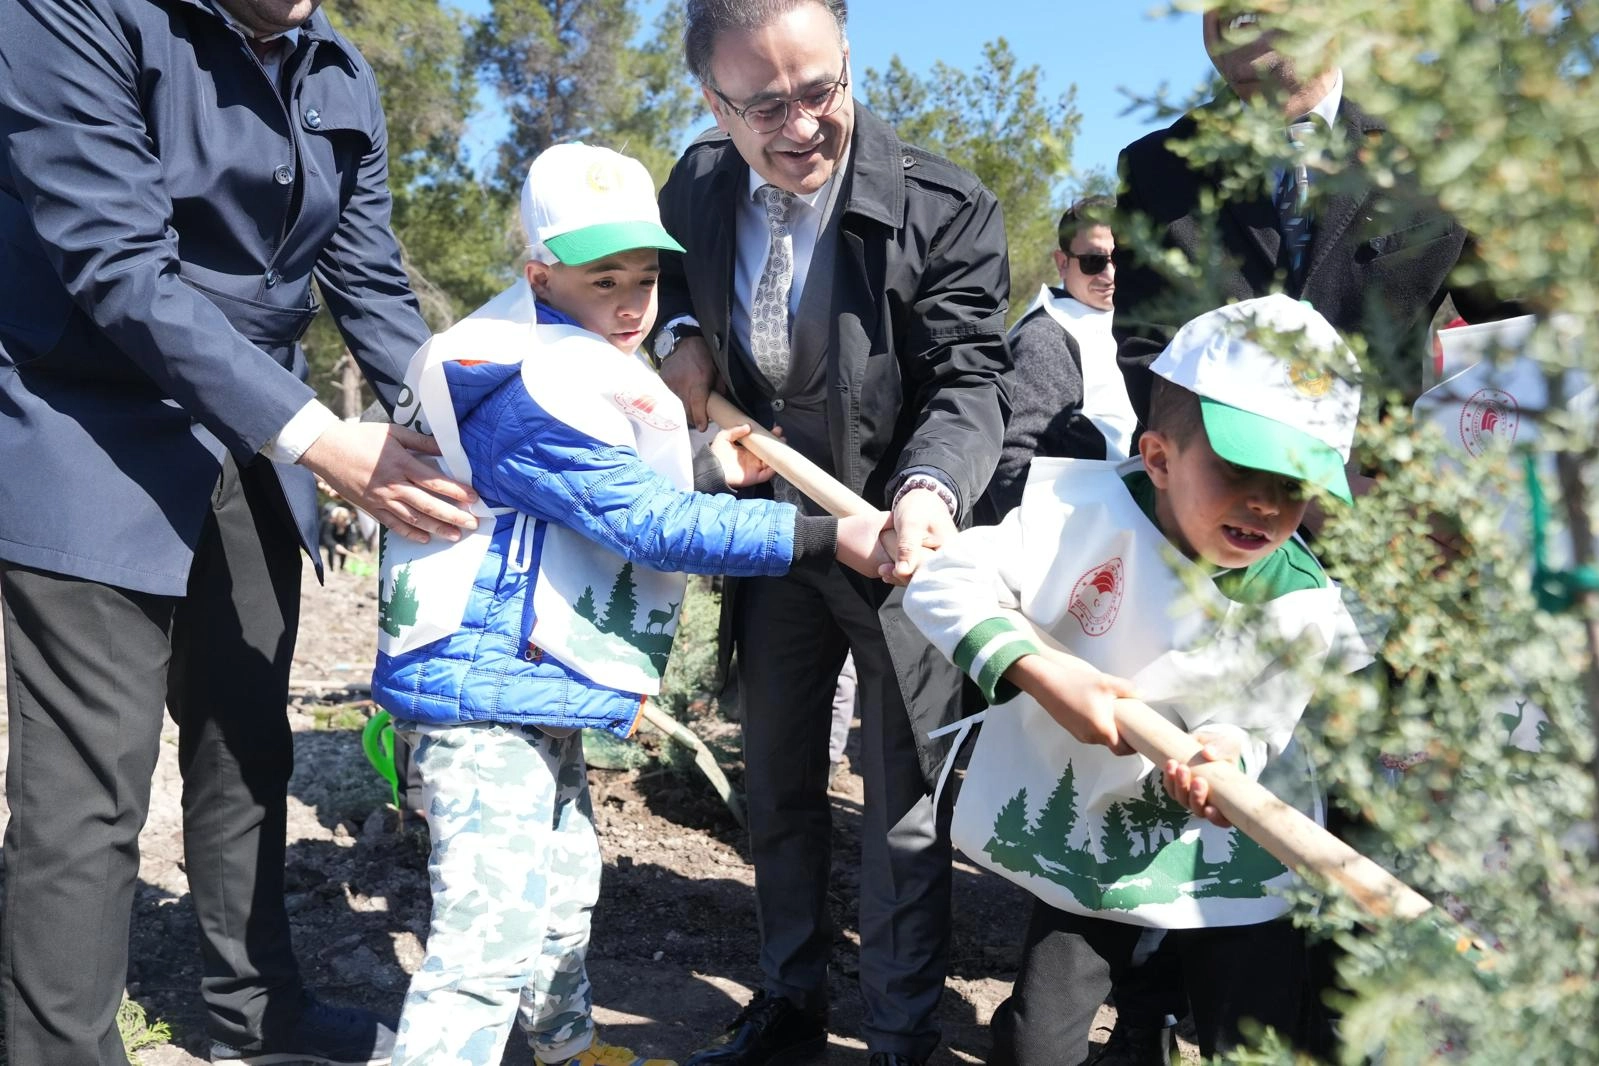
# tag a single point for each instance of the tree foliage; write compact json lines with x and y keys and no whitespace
{"x":1492,"y":112}
{"x":452,"y":230}
{"x":571,"y":70}
{"x":565,"y":69}
{"x":996,"y":122}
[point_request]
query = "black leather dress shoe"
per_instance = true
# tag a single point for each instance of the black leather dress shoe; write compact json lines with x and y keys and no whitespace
{"x":891,"y":1058}
{"x":769,"y":1031}
{"x":1136,"y":1045}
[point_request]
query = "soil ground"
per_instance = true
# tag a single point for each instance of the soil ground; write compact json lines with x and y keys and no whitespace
{"x":674,"y":947}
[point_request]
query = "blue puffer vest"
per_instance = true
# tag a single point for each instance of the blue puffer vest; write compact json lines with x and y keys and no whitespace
{"x":524,"y":457}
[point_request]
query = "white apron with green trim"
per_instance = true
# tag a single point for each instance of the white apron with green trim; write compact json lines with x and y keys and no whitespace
{"x":594,"y":611}
{"x":1091,"y":832}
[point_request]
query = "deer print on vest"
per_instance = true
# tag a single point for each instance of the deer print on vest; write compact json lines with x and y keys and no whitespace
{"x":614,"y":631}
{"x":659,"y":619}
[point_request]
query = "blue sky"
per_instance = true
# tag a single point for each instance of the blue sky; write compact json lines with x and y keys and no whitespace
{"x":1103,"y":46}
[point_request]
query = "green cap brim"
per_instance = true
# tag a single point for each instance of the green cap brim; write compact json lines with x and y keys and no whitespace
{"x":596,"y":242}
{"x":1261,"y":443}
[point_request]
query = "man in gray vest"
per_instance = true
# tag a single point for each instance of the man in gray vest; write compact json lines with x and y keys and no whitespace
{"x":851,"y":289}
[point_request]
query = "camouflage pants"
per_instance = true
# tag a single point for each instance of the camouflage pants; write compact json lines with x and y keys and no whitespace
{"x":515,"y":872}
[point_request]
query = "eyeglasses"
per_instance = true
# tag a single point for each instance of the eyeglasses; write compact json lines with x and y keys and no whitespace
{"x":769,"y":116}
{"x":1090,"y":263}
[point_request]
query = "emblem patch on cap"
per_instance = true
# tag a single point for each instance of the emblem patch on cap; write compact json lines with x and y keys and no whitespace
{"x":643,"y":407}
{"x":1309,"y":381}
{"x":1097,"y":597}
{"x":1489,"y":414}
{"x":603,"y":176}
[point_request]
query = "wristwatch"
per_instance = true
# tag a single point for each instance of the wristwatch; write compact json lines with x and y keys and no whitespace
{"x":669,"y":338}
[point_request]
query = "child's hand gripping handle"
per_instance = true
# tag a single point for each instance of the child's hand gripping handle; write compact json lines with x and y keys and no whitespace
{"x":793,"y":467}
{"x":1294,"y":839}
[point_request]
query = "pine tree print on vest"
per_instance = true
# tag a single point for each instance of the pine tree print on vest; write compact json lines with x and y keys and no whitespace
{"x":617,"y":633}
{"x":1143,"y":851}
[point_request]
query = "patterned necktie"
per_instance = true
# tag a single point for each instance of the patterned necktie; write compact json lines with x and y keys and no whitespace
{"x":1293,"y":206}
{"x":769,"y":311}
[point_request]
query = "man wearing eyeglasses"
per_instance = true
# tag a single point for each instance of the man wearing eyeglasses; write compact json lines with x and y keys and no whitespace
{"x":852,"y":290}
{"x":1069,"y":397}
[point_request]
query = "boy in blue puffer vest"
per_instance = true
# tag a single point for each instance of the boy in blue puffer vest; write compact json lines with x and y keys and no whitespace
{"x":558,"y":614}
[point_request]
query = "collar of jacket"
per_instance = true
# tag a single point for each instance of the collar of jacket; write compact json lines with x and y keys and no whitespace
{"x":877,"y":170}
{"x":316,"y":28}
{"x":1355,"y":121}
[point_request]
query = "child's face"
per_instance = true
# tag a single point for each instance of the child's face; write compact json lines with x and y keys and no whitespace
{"x":1227,"y":515}
{"x":613,"y":296}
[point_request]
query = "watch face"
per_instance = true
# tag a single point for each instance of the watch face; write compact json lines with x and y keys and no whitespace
{"x":665,"y":341}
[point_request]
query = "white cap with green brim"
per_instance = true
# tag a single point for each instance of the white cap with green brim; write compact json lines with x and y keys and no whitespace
{"x":581,"y":203}
{"x":1276,"y":386}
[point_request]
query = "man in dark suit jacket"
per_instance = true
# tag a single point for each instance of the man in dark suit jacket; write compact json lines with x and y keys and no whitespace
{"x":173,"y":173}
{"x":1379,"y":262}
{"x":851,"y":289}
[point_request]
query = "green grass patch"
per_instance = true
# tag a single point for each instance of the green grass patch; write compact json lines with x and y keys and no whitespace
{"x":339,"y":716}
{"x":138,"y":1031}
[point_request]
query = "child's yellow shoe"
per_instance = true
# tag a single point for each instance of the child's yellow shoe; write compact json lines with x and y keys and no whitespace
{"x":600,"y":1053}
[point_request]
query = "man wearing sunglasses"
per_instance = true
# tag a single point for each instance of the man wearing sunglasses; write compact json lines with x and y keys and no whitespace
{"x":851,"y":289}
{"x":1069,"y":399}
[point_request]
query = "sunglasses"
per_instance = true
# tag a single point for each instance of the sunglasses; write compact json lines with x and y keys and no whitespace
{"x":1091,"y":263}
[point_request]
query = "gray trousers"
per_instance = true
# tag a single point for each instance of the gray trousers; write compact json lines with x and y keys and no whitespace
{"x":792,"y":634}
{"x":88,"y":669}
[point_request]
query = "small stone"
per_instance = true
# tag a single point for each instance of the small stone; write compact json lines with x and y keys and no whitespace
{"x":339,"y":946}
{"x":375,"y":826}
{"x":362,"y":966}
{"x":658,"y":956}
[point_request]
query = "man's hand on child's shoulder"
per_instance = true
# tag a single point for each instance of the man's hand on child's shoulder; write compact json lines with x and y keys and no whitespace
{"x":1188,"y":787}
{"x":1079,"y":697}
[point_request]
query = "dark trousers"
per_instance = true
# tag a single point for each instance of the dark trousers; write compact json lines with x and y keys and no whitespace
{"x":792,"y":634}
{"x":1070,"y":963}
{"x":89,"y":667}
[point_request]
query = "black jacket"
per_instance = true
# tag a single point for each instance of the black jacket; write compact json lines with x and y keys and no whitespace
{"x":163,"y":210}
{"x":916,"y":352}
{"x":1379,"y":264}
{"x":916,"y":338}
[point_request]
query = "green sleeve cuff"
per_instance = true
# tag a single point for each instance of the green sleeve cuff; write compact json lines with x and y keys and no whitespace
{"x":987,"y":651}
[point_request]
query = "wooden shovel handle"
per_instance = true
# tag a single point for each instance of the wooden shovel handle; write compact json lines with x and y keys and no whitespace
{"x":1295,"y":840}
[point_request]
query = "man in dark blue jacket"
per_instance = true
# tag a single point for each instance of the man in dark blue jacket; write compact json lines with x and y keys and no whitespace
{"x":173,"y":175}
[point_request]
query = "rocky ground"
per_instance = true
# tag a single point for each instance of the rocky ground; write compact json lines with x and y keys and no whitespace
{"x":674,"y":951}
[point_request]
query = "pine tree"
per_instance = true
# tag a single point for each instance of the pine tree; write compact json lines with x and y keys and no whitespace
{"x":584,"y":607}
{"x":1057,"y":819}
{"x":399,"y":610}
{"x":1010,"y":827}
{"x":1116,"y":842}
{"x":997,"y":122}
{"x":570,"y":70}
{"x":1487,"y":109}
{"x":621,"y":610}
{"x":1146,"y":813}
